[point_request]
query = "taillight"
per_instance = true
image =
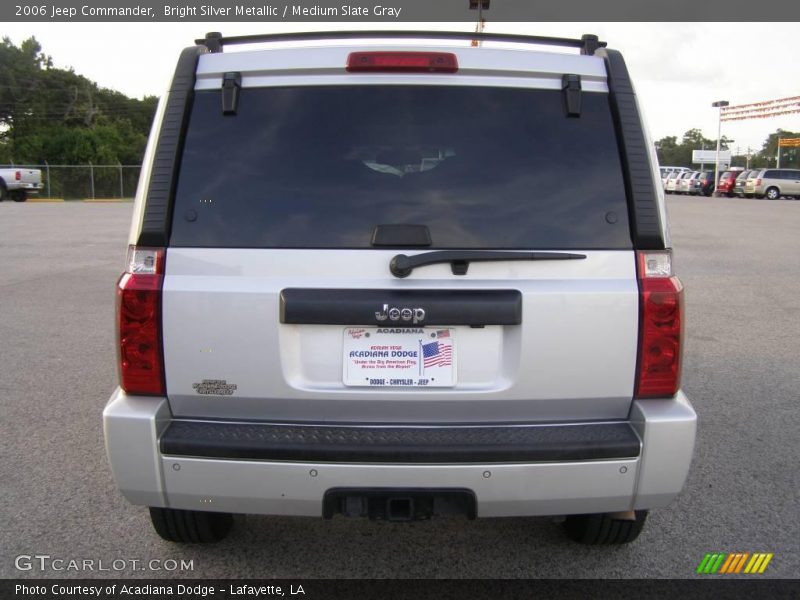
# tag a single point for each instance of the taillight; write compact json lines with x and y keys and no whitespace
{"x":18,"y":176}
{"x":140,"y":358}
{"x":405,"y":62}
{"x":661,"y":326}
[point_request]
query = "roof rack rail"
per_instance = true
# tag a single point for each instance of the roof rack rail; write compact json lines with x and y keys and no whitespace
{"x":588,"y":43}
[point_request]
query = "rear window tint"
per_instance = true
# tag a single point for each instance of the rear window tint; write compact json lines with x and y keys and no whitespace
{"x":320,"y":167}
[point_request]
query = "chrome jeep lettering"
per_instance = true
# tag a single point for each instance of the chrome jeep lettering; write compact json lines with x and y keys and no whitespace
{"x":414,"y":315}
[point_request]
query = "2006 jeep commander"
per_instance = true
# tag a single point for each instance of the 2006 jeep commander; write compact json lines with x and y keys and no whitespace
{"x":380,"y":279}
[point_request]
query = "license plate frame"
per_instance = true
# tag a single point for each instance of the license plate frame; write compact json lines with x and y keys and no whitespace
{"x":399,"y":357}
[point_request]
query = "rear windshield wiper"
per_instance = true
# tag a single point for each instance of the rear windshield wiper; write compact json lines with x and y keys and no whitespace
{"x":402,"y":265}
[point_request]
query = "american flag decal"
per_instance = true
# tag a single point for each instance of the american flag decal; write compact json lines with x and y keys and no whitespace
{"x":437,"y":354}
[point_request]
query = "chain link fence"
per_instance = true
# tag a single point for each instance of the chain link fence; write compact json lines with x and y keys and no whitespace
{"x":78,"y":182}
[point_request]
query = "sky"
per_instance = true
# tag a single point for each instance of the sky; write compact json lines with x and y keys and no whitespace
{"x":678,"y":69}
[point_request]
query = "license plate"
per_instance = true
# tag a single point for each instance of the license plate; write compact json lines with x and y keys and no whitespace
{"x":399,"y":357}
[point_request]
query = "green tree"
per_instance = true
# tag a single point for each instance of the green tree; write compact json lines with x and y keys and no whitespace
{"x":667,"y":151}
{"x":790,"y":157}
{"x":695,"y":140}
{"x":58,"y":116}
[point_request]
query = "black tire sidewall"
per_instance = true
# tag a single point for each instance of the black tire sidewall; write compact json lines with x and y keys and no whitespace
{"x":600,"y":529}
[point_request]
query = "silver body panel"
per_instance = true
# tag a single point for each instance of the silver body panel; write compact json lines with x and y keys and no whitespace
{"x":146,"y":476}
{"x":221,"y":321}
{"x":323,"y":65}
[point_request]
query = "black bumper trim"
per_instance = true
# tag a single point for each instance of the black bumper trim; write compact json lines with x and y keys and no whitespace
{"x":407,"y":444}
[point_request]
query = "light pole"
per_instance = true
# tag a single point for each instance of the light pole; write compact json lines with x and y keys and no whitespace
{"x":718,"y":104}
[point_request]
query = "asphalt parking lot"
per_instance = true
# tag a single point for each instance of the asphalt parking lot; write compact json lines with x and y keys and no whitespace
{"x":739,"y":260}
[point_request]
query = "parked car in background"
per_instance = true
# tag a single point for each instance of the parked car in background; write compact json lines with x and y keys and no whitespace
{"x":738,"y":187}
{"x":680,"y":182}
{"x":686,"y":183}
{"x":672,"y":182}
{"x":704,"y":184}
{"x":727,"y":181}
{"x":17,"y":183}
{"x":774,"y":183}
{"x":667,"y":172}
{"x":750,"y":183}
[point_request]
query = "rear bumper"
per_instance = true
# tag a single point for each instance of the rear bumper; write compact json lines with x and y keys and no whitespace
{"x":28,"y":187}
{"x":393,"y":445}
{"x":286,"y":470}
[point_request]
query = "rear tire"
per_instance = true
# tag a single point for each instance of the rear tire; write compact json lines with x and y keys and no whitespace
{"x":18,"y":195}
{"x":773,"y":193}
{"x":602,"y":529}
{"x":190,"y":526}
{"x":3,"y":192}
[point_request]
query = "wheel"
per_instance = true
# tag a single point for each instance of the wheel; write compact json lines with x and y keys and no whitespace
{"x":773,"y":193}
{"x":190,"y":526}
{"x":3,"y":192}
{"x":604,"y":529}
{"x":729,"y":194}
{"x":18,"y":195}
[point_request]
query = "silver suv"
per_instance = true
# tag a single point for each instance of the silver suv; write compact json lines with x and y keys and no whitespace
{"x":348,"y":293}
{"x":774,"y":183}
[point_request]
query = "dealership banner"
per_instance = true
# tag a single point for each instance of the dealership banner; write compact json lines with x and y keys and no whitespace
{"x":398,"y":10}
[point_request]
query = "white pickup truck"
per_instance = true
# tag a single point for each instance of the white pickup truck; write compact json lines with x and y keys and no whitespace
{"x":17,"y":183}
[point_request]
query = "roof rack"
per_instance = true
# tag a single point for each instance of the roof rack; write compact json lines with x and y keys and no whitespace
{"x":588,"y":43}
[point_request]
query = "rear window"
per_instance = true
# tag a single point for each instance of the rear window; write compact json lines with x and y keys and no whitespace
{"x":321,"y":167}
